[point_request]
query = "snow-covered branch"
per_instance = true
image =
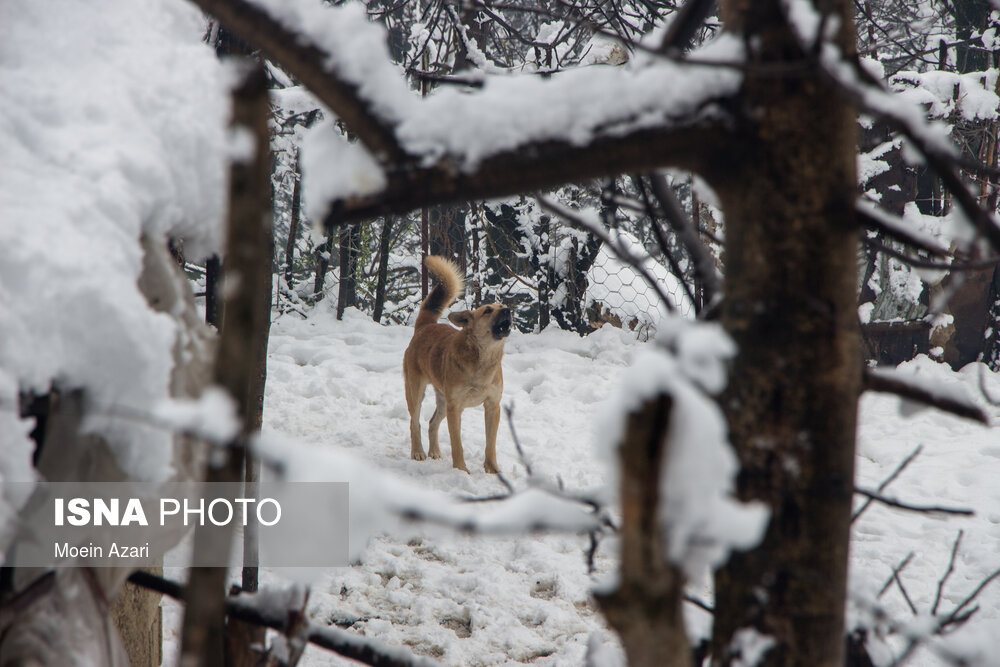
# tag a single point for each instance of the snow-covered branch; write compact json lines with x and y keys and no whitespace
{"x":897,"y":228}
{"x":289,"y":36}
{"x":932,"y":143}
{"x":515,"y":134}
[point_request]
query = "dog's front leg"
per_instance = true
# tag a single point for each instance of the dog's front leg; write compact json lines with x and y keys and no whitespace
{"x":492,"y":410}
{"x":454,"y":415}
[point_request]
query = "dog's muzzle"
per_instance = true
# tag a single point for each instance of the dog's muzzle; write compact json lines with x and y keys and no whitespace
{"x":501,"y":324}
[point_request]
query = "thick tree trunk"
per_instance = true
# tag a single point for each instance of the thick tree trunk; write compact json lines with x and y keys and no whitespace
{"x":788,"y":193}
{"x":249,"y":252}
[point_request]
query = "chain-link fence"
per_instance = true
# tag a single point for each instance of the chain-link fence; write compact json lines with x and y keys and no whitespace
{"x":510,"y":252}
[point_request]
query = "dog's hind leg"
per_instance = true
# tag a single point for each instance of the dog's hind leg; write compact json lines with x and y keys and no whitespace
{"x":454,"y":414}
{"x":492,"y":410}
{"x":432,"y":430}
{"x":414,"y":397}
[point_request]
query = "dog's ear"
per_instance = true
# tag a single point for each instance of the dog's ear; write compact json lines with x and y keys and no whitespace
{"x":461,"y":318}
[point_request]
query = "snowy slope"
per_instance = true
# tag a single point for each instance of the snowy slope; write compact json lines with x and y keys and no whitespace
{"x":466,"y":600}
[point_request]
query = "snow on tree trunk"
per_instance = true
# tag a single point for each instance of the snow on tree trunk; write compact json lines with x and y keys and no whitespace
{"x":72,"y":624}
{"x":645,"y":608}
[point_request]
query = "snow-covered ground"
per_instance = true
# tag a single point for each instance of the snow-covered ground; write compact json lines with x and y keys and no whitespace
{"x":471,"y":600}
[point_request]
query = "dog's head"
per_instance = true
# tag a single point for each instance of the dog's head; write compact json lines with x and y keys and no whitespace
{"x":489,"y":322}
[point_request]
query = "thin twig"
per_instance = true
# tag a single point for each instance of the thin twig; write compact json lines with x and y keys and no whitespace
{"x":894,"y":575}
{"x":509,"y":411}
{"x":891,"y":502}
{"x":888,"y":480}
{"x":944,"y":578}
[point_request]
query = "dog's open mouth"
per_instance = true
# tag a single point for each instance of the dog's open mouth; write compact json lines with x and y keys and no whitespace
{"x":501,"y":326}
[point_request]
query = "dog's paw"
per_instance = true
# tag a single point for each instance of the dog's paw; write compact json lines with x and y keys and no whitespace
{"x":491,"y":468}
{"x":418,"y":455}
{"x":434,"y":454}
{"x":461,"y":467}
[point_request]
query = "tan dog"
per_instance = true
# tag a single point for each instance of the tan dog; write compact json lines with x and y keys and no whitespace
{"x":462,"y":364}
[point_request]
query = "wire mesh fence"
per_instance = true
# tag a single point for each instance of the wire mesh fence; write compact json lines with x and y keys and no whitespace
{"x":549,"y":273}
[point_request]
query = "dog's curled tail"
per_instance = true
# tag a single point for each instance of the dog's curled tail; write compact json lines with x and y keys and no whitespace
{"x":444,"y":293}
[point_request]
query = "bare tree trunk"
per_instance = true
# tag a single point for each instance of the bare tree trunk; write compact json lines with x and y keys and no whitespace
{"x":213,"y":279}
{"x":347,"y":290}
{"x":238,"y":369}
{"x":645,"y":609}
{"x":383,"y":268}
{"x":424,"y":250}
{"x":293,"y":225}
{"x":543,"y":275}
{"x":322,"y":266}
{"x":791,"y":259}
{"x":447,"y":233}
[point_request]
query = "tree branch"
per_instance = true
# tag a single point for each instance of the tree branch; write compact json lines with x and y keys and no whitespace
{"x":893,"y":383}
{"x":687,"y":232}
{"x":888,"y":480}
{"x":871,"y":96}
{"x":897,"y":229}
{"x":686,"y":24}
{"x":537,"y":166}
{"x":891,"y":502}
{"x":307,"y":62}
{"x":578,"y":222}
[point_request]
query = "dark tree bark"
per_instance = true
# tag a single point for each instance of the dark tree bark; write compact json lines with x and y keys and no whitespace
{"x":383,"y":268}
{"x":991,"y":348}
{"x":293,"y":225}
{"x":347,"y":289}
{"x":646,"y":607}
{"x":322,"y":266}
{"x":213,"y":282}
{"x":543,"y":273}
{"x":240,"y":361}
{"x":791,"y":259}
{"x":447,"y":233}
